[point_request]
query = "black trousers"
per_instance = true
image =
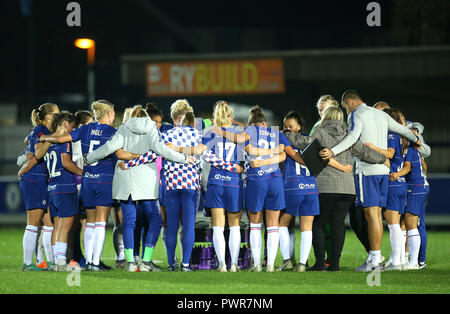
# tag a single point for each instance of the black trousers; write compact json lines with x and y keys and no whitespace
{"x":358,"y":223}
{"x":333,"y":209}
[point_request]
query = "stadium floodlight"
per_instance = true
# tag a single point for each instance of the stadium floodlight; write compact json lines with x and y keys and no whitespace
{"x":89,"y":45}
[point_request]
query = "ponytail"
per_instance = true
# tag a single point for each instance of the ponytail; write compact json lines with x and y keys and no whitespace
{"x":188,"y":119}
{"x":256,"y":116}
{"x":38,"y":115}
{"x":223,"y":114}
{"x":153,"y":110}
{"x":138,"y":112}
{"x":179,"y":108}
{"x":100,"y":108}
{"x":35,"y":117}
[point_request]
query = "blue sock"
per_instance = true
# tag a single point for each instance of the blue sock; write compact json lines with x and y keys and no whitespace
{"x":129,"y":222}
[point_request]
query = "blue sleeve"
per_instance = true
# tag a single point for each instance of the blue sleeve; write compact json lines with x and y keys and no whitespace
{"x":284,"y":140}
{"x":253,"y":136}
{"x":412,"y":155}
{"x":207,"y":137}
{"x":392,"y":141}
{"x":76,"y":133}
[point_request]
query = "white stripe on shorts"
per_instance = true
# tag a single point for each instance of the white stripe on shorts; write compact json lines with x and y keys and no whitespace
{"x":361,"y":192}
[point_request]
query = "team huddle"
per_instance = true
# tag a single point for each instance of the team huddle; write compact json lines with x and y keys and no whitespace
{"x":153,"y":177}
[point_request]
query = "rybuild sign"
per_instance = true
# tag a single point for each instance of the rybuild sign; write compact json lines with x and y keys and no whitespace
{"x":215,"y":77}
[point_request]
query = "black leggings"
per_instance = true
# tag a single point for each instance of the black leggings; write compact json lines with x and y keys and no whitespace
{"x":358,"y":223}
{"x":333,"y":209}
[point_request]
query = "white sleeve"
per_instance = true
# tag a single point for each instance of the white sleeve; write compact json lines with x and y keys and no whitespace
{"x":396,"y":127}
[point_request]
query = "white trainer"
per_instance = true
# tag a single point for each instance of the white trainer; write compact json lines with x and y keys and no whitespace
{"x":234,"y":268}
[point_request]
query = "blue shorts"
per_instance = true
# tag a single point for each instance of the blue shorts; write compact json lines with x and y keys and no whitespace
{"x":63,"y":205}
{"x":264,"y":194}
{"x":96,"y":194}
{"x":219,"y":196}
{"x":34,"y":194}
{"x":396,"y":199}
{"x":302,"y":205}
{"x":416,"y":203}
{"x":371,"y":191}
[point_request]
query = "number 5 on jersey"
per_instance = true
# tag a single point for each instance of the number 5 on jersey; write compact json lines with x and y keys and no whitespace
{"x":93,"y":143}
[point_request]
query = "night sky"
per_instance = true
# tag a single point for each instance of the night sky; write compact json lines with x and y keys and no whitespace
{"x":133,"y":27}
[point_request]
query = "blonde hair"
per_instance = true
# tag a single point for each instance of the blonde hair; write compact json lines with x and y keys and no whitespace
{"x":188,"y":119}
{"x":100,"y":108}
{"x":328,"y":99}
{"x":179,"y":108}
{"x":38,"y":115}
{"x":332,"y":113}
{"x":223,"y":114}
{"x":126,"y":114}
{"x":138,"y":112}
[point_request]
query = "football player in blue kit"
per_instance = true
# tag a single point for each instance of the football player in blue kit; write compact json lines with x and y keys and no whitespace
{"x":224,"y":194}
{"x":33,"y":183}
{"x":265,"y":148}
{"x":62,"y":187}
{"x":302,"y":200}
{"x":96,"y":187}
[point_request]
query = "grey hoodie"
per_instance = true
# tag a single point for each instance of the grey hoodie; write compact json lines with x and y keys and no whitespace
{"x":137,"y":135}
{"x":328,"y":134}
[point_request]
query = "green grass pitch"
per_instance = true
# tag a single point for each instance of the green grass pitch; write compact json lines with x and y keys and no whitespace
{"x":434,"y":279}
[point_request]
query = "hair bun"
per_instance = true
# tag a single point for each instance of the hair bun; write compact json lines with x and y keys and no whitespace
{"x":255,"y":109}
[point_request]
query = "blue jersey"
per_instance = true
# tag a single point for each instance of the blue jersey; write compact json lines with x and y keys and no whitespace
{"x":227,"y":151}
{"x":39,"y":171}
{"x":395,"y":142}
{"x":60,"y":180}
{"x":92,"y":136}
{"x":267,"y":138}
{"x":297,"y":178}
{"x":416,"y":177}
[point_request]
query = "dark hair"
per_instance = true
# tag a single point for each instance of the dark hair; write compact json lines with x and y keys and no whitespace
{"x":397,"y":116}
{"x":82,"y":116}
{"x":256,"y":116}
{"x":295,"y":115}
{"x":60,"y":118}
{"x":350,"y":94}
{"x":153,"y":110}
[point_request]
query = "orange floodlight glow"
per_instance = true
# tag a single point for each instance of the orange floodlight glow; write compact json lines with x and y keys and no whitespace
{"x":84,"y":43}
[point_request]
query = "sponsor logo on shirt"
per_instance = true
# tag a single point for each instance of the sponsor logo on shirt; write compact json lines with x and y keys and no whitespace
{"x":221,"y":177}
{"x":266,"y":171}
{"x":306,"y":186}
{"x":91,"y":176}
